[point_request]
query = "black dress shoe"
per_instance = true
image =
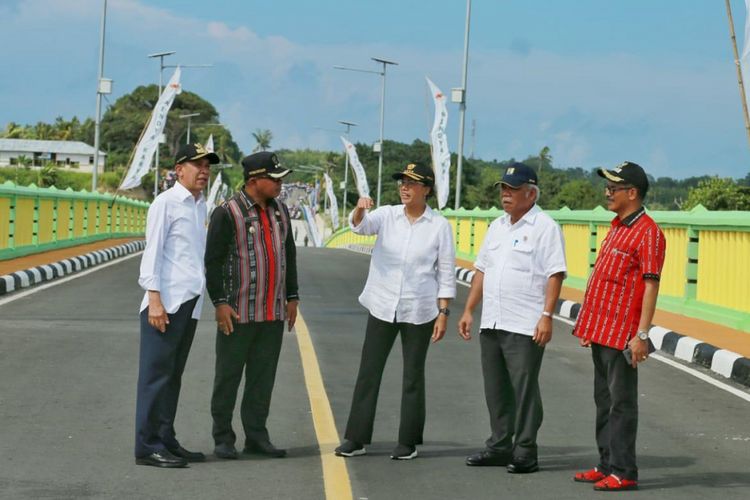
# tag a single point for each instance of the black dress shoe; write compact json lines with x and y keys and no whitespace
{"x":527,"y":466}
{"x":162,"y":459}
{"x":226,"y":451}
{"x":488,"y":458}
{"x":190,"y":456}
{"x":264,"y":448}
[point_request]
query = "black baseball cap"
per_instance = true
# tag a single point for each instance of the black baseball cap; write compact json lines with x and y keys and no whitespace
{"x":195,"y":151}
{"x":627,"y":173}
{"x":518,"y":174}
{"x":264,"y":163}
{"x":419,"y":172}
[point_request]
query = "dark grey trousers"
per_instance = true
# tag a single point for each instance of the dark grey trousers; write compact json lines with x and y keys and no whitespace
{"x":616,"y":397}
{"x":379,"y":338}
{"x":510,"y":365}
{"x":253,"y":348}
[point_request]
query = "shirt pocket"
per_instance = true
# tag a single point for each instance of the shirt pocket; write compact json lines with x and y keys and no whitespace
{"x":520,"y":258}
{"x":622,"y":265}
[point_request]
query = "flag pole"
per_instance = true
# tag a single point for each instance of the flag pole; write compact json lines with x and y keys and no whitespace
{"x":743,"y":96}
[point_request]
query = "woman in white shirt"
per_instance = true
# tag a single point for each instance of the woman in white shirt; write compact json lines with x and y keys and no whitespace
{"x":409,"y":287}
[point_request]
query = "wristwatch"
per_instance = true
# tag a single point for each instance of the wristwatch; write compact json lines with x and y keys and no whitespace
{"x":643,"y":335}
{"x":444,"y":310}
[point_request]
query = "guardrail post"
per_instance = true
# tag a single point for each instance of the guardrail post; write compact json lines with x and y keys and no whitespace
{"x":691,"y":269}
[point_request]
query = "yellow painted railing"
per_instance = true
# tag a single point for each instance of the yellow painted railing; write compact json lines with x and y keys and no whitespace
{"x":707,"y":266}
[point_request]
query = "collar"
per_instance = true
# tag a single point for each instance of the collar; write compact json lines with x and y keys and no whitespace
{"x":182,"y":193}
{"x":427,"y":214}
{"x":630,"y":219}
{"x":529,"y":217}
{"x":249,"y":201}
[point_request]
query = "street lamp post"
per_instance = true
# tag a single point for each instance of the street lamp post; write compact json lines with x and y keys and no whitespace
{"x":161,"y":56}
{"x":379,"y":146}
{"x":461,"y":94}
{"x":189,"y":117}
{"x":348,"y":126}
{"x":103,"y":86}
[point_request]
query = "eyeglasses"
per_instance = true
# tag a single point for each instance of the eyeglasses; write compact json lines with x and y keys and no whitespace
{"x":614,"y":189}
{"x":408,"y":183}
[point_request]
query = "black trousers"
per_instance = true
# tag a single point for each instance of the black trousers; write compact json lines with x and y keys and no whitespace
{"x":616,"y":397}
{"x":379,"y":338}
{"x":161,"y":364}
{"x":510,"y":366}
{"x":253,"y":348}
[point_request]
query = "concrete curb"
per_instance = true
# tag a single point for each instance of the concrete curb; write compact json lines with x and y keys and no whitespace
{"x":48,"y":272}
{"x":728,"y":364}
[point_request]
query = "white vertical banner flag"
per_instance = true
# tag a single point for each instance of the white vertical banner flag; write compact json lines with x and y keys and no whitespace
{"x":210,"y":144}
{"x":218,"y":193}
{"x":359,"y":170}
{"x":146,"y":147}
{"x":312,"y":227}
{"x":332,"y":205}
{"x":441,"y":155}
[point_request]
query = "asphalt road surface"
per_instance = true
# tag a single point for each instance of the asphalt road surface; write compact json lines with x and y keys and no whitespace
{"x":68,"y":367}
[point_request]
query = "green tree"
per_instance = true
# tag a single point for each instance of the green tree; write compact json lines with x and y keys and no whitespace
{"x":577,"y":195}
{"x":263,"y":139}
{"x":125,"y":120}
{"x":718,"y":193}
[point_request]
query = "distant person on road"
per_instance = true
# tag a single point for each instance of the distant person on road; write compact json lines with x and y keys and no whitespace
{"x":409,"y":287}
{"x":251,"y":273}
{"x":518,"y":275}
{"x":616,"y":315}
{"x":172,"y":275}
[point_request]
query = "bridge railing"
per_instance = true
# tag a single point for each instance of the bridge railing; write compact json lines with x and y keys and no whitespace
{"x":706,"y":272}
{"x":34,"y":219}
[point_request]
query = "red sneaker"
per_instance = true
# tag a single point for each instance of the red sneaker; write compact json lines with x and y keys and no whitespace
{"x":590,"y":476}
{"x":614,"y":483}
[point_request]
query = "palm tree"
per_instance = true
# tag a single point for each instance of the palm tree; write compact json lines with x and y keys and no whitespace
{"x":263,"y":137}
{"x":544,"y":156}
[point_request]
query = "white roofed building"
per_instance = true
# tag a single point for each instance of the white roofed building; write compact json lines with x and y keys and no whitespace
{"x":65,"y":154}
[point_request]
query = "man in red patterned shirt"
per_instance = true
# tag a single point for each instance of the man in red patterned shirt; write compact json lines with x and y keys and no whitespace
{"x":616,"y":315}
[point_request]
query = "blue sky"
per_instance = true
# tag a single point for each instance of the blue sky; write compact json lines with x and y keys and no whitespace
{"x":598,"y":82}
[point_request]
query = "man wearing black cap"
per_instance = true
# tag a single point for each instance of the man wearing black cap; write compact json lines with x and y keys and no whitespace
{"x":172,"y":275}
{"x":519,"y":272}
{"x":615,"y":318}
{"x":251,"y":277}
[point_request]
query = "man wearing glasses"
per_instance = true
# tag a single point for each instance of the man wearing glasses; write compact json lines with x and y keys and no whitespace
{"x":251,"y":277}
{"x":172,"y":275}
{"x":519,"y":272}
{"x":616,"y":316}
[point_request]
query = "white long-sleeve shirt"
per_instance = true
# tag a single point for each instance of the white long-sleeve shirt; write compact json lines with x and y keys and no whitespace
{"x":172,"y":263}
{"x":412,"y":265}
{"x":517,"y":261}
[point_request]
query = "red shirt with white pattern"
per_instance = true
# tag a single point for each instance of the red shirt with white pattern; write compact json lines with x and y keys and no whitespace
{"x":632,"y":251}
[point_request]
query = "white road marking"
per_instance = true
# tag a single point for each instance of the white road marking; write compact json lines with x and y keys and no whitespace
{"x":695,"y":373}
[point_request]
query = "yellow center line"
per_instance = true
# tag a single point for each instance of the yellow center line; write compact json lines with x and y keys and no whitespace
{"x":335,"y":474}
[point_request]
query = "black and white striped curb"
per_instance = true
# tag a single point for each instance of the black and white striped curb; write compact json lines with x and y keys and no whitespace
{"x":728,"y":364}
{"x":355,"y":247}
{"x":48,"y":272}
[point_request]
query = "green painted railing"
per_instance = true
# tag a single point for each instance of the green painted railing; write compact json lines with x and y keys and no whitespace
{"x":706,"y":272}
{"x":34,"y":219}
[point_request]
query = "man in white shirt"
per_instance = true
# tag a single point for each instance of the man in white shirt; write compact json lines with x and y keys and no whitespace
{"x":172,"y":275}
{"x":519,"y":273}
